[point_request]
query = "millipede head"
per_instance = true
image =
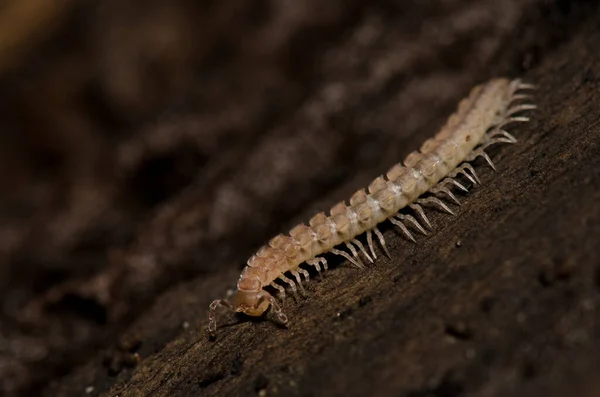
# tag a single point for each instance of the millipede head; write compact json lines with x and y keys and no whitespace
{"x":251,"y":303}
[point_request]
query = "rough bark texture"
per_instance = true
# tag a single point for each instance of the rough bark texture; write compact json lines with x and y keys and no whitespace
{"x":149,"y":147}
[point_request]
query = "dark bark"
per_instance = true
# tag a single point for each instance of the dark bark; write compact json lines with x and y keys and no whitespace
{"x":120,"y":226}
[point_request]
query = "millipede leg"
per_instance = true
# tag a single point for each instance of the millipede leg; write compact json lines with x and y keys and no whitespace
{"x":298,"y":281}
{"x":517,"y":97}
{"x":481,"y":153}
{"x":305,"y":273}
{"x":336,"y":251}
{"x":412,"y":220}
{"x":280,"y":289}
{"x":420,"y":211}
{"x":212,"y":314}
{"x":275,"y":307}
{"x":316,"y":263}
{"x":443,"y":189}
{"x":491,"y":142}
{"x":518,"y":84}
{"x":519,"y":108}
{"x":324,"y":263}
{"x":525,"y":86}
{"x":469,"y":167}
{"x":471,"y":175}
{"x":403,"y":228}
{"x":382,"y":242}
{"x":458,"y":171}
{"x":355,"y":254}
{"x":370,"y":243}
{"x":291,"y":284}
{"x":500,"y":133}
{"x":438,"y":202}
{"x":454,"y":182}
{"x":515,"y":119}
{"x":362,"y":249}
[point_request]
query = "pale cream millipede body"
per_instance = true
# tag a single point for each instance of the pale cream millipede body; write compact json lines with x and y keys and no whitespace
{"x":478,"y":123}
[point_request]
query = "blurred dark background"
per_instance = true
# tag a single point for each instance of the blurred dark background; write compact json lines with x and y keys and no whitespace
{"x":148,"y":142}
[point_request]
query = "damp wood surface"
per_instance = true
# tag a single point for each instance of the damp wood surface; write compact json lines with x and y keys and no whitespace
{"x":128,"y":215}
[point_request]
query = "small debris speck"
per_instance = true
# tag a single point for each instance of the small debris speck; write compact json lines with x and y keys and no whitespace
{"x":364,"y":300}
{"x":459,"y":330}
{"x":260,"y":385}
{"x":470,"y":354}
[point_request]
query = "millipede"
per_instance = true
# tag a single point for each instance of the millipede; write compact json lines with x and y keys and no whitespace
{"x":425,"y":176}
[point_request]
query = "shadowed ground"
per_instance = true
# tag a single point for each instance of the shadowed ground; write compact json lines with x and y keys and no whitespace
{"x":152,"y":149}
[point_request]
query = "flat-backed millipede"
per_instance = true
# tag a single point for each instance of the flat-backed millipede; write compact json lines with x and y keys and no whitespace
{"x":477,"y":124}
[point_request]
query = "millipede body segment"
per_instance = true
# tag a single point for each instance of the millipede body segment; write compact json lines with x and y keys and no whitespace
{"x":424,"y":177}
